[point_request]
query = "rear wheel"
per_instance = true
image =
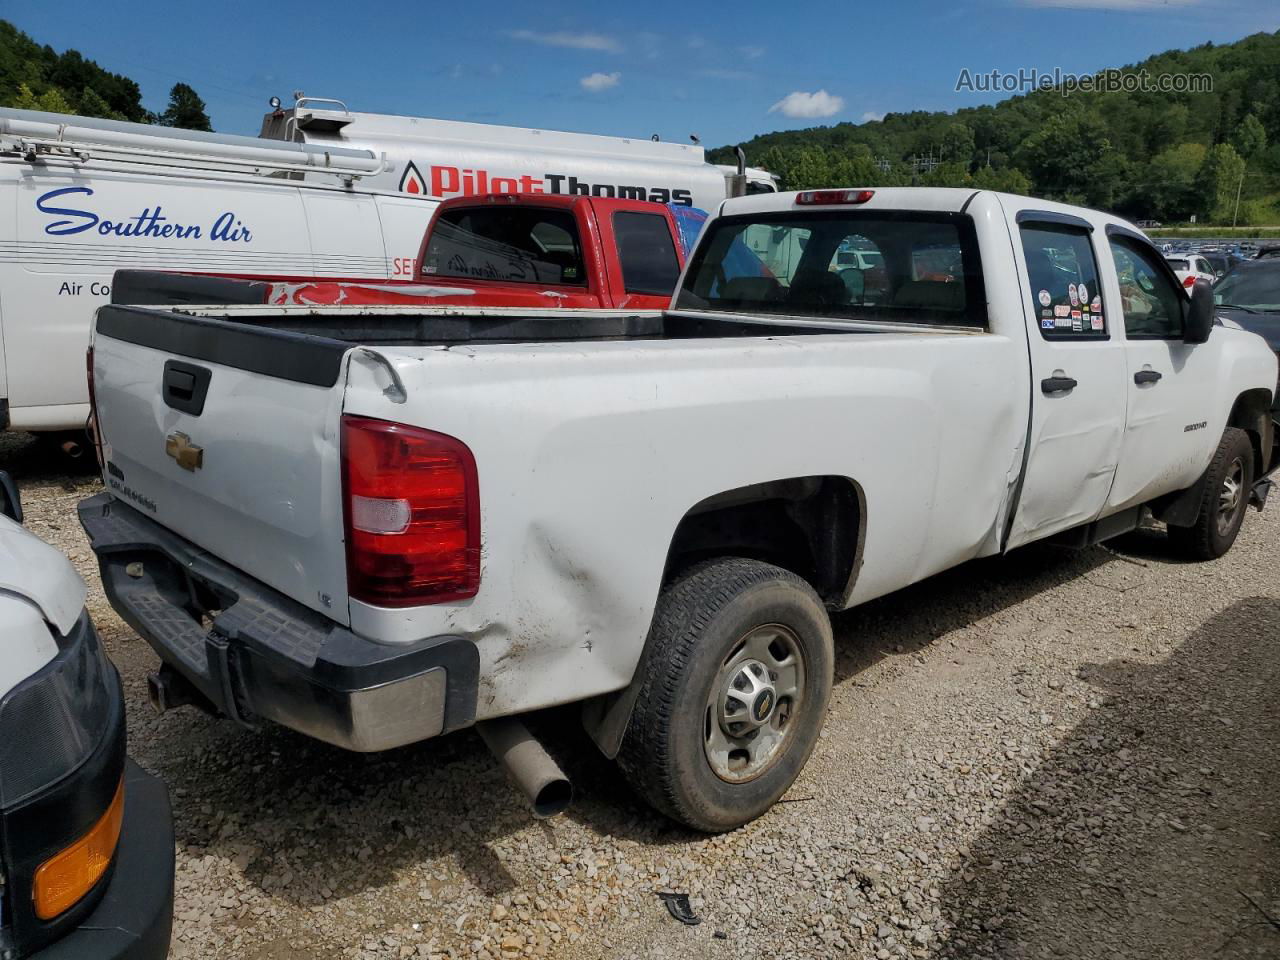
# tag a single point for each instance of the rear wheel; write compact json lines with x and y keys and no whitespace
{"x":1222,"y":503}
{"x":734,"y":689}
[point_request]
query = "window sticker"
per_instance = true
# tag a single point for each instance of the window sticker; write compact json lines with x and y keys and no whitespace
{"x":1073,"y":295}
{"x":1062,"y":310}
{"x":1045,"y":299}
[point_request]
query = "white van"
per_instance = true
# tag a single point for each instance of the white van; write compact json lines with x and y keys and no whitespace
{"x":452,"y":158}
{"x":93,"y":196}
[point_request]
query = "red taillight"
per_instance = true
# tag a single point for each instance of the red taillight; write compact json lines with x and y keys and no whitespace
{"x":823,"y":197}
{"x":1189,"y":282}
{"x":91,"y":426}
{"x":412,"y":504}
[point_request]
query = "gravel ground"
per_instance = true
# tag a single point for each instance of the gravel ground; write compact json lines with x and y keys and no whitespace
{"x":1054,"y":754}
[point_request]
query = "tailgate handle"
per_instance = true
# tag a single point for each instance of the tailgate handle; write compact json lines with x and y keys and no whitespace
{"x":185,"y":386}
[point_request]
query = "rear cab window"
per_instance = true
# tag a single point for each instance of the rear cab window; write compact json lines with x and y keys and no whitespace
{"x":900,"y":266}
{"x":647,"y":253}
{"x":1062,"y":273}
{"x":509,"y":244}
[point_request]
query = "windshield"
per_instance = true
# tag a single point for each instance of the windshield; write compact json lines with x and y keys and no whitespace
{"x":910,"y":268}
{"x":1257,"y":287}
{"x":512,"y":244}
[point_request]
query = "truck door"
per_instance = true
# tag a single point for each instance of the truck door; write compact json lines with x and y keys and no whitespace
{"x":1168,"y":437}
{"x":1077,"y":378}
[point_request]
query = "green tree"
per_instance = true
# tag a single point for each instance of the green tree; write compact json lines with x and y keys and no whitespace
{"x":1005,"y":180}
{"x":1219,"y":182}
{"x":185,"y":110}
{"x":1250,"y":138}
{"x":1169,"y":183}
{"x":51,"y":101}
{"x":92,"y":105}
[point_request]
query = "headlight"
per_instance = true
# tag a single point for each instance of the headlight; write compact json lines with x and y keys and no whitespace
{"x":53,"y":720}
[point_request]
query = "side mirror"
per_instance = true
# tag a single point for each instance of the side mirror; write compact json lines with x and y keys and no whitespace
{"x":1198,"y":313}
{"x":10,"y":501}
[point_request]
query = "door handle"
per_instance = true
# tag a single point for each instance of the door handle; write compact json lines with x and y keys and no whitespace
{"x":1057,"y":384}
{"x":1147,"y":376}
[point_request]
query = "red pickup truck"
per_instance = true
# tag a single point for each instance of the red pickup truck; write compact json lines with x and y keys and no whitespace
{"x":499,"y":250}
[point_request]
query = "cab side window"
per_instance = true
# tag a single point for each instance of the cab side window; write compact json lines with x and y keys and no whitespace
{"x":1151,"y":303}
{"x":1063,"y":276}
{"x":646,"y":252}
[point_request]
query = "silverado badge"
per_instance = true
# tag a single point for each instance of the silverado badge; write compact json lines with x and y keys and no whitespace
{"x":189,"y":456}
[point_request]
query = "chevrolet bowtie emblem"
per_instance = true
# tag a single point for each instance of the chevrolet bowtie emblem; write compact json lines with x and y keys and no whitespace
{"x":189,"y":456}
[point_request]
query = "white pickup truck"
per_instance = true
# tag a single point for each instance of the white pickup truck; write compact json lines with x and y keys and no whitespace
{"x":377,"y":525}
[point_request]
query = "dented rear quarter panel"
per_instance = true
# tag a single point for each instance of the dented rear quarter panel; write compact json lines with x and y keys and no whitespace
{"x":589,"y":455}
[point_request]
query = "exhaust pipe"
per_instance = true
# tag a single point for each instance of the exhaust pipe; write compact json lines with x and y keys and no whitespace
{"x":73,"y":449}
{"x":167,"y":689}
{"x":528,"y":765}
{"x":738,"y":182}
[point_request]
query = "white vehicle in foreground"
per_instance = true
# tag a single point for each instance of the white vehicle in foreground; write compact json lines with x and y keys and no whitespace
{"x":1190,"y":268}
{"x":379,"y":525}
{"x":86,"y":838}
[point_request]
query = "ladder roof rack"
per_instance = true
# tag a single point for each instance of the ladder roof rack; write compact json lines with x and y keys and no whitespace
{"x":39,"y":135}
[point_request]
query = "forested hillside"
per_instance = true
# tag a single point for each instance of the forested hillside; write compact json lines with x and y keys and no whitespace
{"x":1165,"y":156}
{"x":35,"y":77}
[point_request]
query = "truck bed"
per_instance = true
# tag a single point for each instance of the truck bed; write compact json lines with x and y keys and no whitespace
{"x":415,"y":326}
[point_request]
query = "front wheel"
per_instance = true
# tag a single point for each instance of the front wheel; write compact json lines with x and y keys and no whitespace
{"x":1222,"y":502}
{"x":734,"y":690}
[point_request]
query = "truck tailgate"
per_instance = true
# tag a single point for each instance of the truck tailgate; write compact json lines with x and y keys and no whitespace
{"x":229,"y":438}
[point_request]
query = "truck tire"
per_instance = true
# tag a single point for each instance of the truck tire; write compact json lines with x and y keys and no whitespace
{"x":1223,"y":501}
{"x":734,"y":689}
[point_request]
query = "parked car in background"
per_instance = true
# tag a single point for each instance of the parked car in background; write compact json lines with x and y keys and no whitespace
{"x":1268,"y":252}
{"x":1221,"y":262}
{"x":86,"y":839}
{"x":1190,"y":268}
{"x":1250,"y":296}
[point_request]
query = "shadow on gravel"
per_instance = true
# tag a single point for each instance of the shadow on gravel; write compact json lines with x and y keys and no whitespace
{"x":1144,"y":830}
{"x":900,"y":624}
{"x":301,"y":817}
{"x":38,"y":459}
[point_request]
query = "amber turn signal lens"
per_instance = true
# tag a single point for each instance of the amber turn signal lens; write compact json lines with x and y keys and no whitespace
{"x":68,"y":875}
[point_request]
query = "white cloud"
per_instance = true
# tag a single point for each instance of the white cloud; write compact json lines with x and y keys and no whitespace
{"x":595,"y":82}
{"x":752,"y":53}
{"x":871,"y":116}
{"x":574,"y":41}
{"x":801,"y":104}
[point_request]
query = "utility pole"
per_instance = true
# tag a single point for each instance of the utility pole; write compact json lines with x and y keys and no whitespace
{"x":1239,"y":187}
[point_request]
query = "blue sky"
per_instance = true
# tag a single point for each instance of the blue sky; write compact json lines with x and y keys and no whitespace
{"x":722,"y":71}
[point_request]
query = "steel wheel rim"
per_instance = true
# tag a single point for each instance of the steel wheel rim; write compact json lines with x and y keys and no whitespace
{"x":753,"y":703}
{"x":1230,"y":496}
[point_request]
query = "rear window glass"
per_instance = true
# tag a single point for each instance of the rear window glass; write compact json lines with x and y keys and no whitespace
{"x":1179,"y":265}
{"x":910,"y":268}
{"x":647,"y":253}
{"x":511,"y":244}
{"x":1063,"y":278}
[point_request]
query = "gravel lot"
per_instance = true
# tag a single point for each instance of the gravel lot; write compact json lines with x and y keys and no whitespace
{"x":1054,"y":754}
